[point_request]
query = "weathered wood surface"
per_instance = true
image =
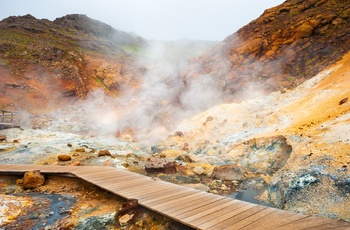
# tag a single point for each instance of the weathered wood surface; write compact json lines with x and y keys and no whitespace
{"x":191,"y":207}
{"x":8,"y":120}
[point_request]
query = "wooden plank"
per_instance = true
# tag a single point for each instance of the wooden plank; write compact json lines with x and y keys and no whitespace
{"x":224,"y":214}
{"x":208,"y":199}
{"x":187,"y":203}
{"x":236,"y":217}
{"x":191,"y":207}
{"x":341,"y":227}
{"x":96,"y":175}
{"x":126,"y":183}
{"x":332,"y":225}
{"x":108,"y":178}
{"x":247,"y":219}
{"x":307,"y":222}
{"x":193,"y":204}
{"x":148,"y":192}
{"x":168,"y":199}
{"x":207,"y":210}
{"x":199,"y":218}
{"x":127,"y":190}
{"x":279,"y":218}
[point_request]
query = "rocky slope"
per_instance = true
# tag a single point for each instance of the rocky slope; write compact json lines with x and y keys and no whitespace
{"x":295,"y":143}
{"x":282,"y":48}
{"x":291,"y":144}
{"x":42,"y":63}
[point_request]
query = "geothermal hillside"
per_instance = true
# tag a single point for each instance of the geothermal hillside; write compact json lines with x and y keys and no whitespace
{"x":261,"y":116}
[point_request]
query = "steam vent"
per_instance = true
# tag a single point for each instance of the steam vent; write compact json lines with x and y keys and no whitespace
{"x":105,"y":129}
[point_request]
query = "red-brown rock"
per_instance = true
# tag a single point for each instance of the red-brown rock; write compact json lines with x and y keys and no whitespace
{"x":31,"y":180}
{"x":104,"y":152}
{"x":64,"y":157}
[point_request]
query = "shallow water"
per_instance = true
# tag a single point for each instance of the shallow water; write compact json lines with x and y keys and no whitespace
{"x":250,"y":195}
{"x":46,"y":211}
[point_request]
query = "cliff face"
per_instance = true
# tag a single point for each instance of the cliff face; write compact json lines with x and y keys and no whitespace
{"x":285,"y":46}
{"x":42,"y":63}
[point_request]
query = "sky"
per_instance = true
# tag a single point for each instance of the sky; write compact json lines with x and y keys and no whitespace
{"x":211,"y":20}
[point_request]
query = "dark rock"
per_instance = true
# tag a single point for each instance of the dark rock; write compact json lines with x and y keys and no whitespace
{"x":160,"y":165}
{"x":179,"y":133}
{"x":64,"y":158}
{"x":286,"y":185}
{"x":2,"y":138}
{"x":31,"y":180}
{"x":343,"y":101}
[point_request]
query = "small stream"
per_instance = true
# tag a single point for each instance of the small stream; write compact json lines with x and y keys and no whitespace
{"x":46,"y":210}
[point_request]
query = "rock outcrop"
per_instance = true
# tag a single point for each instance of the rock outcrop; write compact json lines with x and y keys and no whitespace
{"x":45,"y":64}
{"x":31,"y":180}
{"x":282,"y":48}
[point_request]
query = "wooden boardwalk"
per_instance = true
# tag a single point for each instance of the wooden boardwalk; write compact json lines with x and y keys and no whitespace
{"x":8,"y":119}
{"x":191,"y":207}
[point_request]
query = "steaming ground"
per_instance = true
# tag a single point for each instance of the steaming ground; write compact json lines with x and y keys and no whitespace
{"x":276,"y":141}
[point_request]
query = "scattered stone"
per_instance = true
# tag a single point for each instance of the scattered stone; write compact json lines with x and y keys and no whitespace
{"x":108,"y":163}
{"x":104,"y":152}
{"x":124,"y":220}
{"x":198,"y":170}
{"x":76,"y":163}
{"x":80,"y":150}
{"x":160,"y":165}
{"x":31,"y":180}
{"x":228,"y":172}
{"x":186,"y":147}
{"x":69,"y":145}
{"x":179,"y":133}
{"x":184,"y":158}
{"x":224,"y":187}
{"x":343,"y":101}
{"x":209,"y":118}
{"x":127,"y":213}
{"x":42,"y":216}
{"x":162,"y":155}
{"x":2,"y":138}
{"x":129,"y":155}
{"x":125,"y":164}
{"x":15,"y":141}
{"x":64,"y":157}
